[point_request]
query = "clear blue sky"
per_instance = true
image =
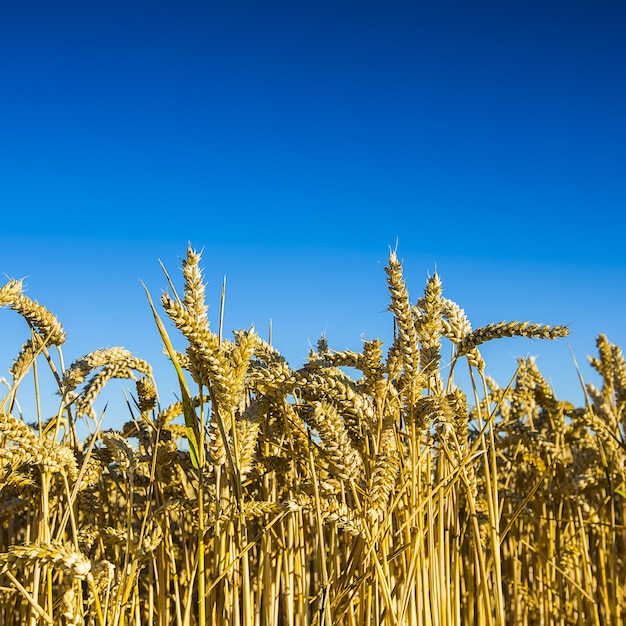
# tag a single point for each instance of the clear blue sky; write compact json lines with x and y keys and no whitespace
{"x":295,"y":142}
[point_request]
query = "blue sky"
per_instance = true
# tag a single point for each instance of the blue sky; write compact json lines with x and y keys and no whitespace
{"x":295,"y":142}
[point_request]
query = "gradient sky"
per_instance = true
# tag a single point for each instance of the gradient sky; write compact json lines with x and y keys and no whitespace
{"x":295,"y":142}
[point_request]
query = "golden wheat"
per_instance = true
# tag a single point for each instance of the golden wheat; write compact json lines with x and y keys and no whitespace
{"x":312,"y":496}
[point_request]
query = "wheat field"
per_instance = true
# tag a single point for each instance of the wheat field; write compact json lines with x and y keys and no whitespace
{"x":363,"y":488}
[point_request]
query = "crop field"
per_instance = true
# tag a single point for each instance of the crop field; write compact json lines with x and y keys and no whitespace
{"x":363,"y":488}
